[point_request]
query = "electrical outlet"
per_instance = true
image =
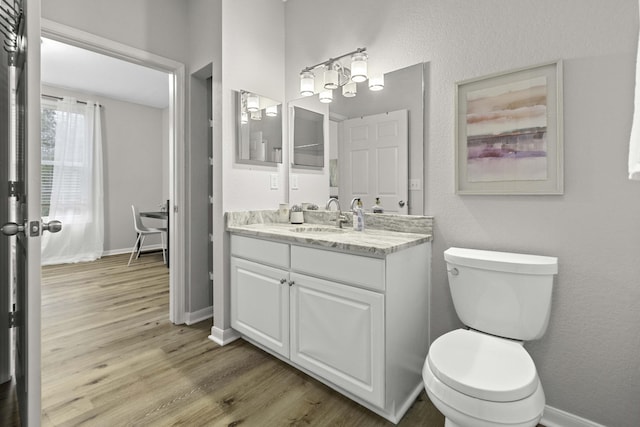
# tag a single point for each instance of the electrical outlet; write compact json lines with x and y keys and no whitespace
{"x":415,"y":184}
{"x":274,"y":181}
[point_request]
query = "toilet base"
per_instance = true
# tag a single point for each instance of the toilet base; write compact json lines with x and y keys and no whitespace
{"x":449,"y":423}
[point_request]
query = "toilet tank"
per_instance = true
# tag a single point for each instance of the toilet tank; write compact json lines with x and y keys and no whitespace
{"x":501,"y":293}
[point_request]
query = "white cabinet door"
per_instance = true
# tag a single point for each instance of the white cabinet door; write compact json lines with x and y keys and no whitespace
{"x":260,"y":304}
{"x":337,"y":332}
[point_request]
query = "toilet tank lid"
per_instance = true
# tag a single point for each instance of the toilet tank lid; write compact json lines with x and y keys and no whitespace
{"x":502,"y":261}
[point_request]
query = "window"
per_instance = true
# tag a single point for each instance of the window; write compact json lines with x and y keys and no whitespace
{"x":66,"y":163}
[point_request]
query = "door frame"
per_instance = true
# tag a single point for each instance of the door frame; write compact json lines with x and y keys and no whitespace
{"x":177,"y":158}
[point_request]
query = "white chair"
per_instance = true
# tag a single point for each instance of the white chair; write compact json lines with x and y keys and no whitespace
{"x":142,"y":232}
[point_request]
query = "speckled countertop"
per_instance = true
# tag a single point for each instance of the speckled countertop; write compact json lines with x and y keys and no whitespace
{"x":381,"y":236}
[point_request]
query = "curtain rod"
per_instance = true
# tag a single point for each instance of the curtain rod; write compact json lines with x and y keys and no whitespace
{"x":59,"y":98}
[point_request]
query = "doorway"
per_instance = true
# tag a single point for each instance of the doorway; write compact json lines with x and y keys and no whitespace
{"x":176,"y":143}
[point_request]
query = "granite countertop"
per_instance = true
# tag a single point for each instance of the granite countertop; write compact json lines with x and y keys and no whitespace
{"x":324,"y":234}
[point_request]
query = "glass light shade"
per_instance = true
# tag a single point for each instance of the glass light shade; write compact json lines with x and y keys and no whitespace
{"x":307,"y":83}
{"x":376,"y":82}
{"x":256,"y":115}
{"x":244,"y":117}
{"x":349,"y":90}
{"x":326,"y":96}
{"x":271,"y":111}
{"x":330,"y":78}
{"x":359,"y":67}
{"x":253,"y":102}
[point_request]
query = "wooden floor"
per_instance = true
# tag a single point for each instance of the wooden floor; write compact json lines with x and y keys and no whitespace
{"x":110,"y":357}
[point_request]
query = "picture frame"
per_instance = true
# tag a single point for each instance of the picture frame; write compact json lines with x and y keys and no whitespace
{"x":509,"y":134}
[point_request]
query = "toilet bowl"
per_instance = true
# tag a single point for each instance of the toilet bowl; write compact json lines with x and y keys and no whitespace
{"x":482,"y":376}
{"x":464,"y":380}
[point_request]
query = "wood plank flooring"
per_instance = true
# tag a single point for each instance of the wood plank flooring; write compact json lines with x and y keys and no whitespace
{"x":110,"y":357}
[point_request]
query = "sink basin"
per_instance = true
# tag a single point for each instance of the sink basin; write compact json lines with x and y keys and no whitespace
{"x":318,"y":229}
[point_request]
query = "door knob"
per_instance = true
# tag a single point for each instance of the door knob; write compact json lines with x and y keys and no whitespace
{"x":52,"y":226}
{"x":401,"y":203}
{"x":11,"y":229}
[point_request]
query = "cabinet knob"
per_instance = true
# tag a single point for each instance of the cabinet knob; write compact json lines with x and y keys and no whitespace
{"x":283,"y":281}
{"x":291,"y":283}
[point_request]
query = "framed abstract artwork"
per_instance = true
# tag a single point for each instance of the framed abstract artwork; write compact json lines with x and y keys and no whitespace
{"x":509,"y":132}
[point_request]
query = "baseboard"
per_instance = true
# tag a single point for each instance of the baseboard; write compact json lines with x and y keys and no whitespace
{"x":223,"y":337}
{"x":553,"y":417}
{"x":146,"y":248}
{"x":198,"y":316}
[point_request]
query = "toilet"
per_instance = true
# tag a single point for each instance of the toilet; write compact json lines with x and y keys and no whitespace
{"x":481,"y":375}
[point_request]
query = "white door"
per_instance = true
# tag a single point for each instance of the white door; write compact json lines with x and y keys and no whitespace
{"x":260,"y":304}
{"x":374,"y":161}
{"x":337,"y":331}
{"x":24,"y":227}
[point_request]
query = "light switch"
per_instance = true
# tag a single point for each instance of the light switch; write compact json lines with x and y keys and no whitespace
{"x":274,"y":181}
{"x":294,"y":181}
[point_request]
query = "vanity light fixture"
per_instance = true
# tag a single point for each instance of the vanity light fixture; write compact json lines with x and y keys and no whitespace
{"x":271,"y":111}
{"x":331,"y":79}
{"x":350,"y":89}
{"x":256,"y":115}
{"x":376,"y":82}
{"x":359,"y":67}
{"x":335,"y":75}
{"x":307,"y":83}
{"x":253,"y":102}
{"x":326,"y":96}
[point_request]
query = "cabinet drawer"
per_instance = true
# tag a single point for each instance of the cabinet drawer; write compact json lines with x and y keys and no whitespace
{"x":272,"y":253}
{"x":353,"y":269}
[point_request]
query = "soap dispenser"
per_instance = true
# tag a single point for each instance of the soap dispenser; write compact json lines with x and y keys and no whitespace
{"x":358,"y":216}
{"x":377,"y":208}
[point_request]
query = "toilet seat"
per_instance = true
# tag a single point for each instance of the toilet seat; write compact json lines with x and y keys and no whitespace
{"x":483,"y":366}
{"x":465,"y":410}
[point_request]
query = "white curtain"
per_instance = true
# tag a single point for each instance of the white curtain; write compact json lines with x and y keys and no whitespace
{"x":76,"y":189}
{"x":634,"y":144}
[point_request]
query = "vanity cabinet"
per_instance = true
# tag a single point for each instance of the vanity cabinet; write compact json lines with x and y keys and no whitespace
{"x":356,"y":323}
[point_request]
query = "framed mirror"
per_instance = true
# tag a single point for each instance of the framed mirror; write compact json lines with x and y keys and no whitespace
{"x":308,"y":137}
{"x":258,"y":129}
{"x":354,"y":165}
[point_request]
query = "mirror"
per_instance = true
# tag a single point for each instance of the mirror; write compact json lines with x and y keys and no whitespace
{"x":308,"y":137}
{"x":259,"y":129}
{"x":348,"y":122}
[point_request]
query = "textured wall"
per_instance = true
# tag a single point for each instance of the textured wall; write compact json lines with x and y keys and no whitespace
{"x":588,"y":360}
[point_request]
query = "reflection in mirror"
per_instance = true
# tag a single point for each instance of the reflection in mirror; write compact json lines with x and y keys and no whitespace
{"x":308,"y":138}
{"x":259,"y":129}
{"x":351,"y":153}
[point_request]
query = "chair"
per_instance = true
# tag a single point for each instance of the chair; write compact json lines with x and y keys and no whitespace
{"x":142,"y":232}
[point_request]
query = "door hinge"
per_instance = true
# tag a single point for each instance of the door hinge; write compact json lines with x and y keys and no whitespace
{"x":13,"y":319}
{"x":15,"y":188}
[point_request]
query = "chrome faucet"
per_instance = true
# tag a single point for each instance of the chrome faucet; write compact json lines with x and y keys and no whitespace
{"x":341,"y":218}
{"x":353,"y":203}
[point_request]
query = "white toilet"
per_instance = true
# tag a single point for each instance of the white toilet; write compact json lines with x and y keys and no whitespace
{"x":483,"y":376}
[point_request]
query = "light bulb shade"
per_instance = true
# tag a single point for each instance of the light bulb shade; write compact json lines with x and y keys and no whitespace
{"x":326,"y":96}
{"x":256,"y":115}
{"x":307,"y":83}
{"x":376,"y":82}
{"x":253,"y":102}
{"x":271,"y":111}
{"x":330,"y":78}
{"x":359,"y":67}
{"x":244,"y":117}
{"x":350,"y":89}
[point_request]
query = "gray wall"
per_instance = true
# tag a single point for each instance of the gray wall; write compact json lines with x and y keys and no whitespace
{"x":588,"y":360}
{"x":132,"y":136}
